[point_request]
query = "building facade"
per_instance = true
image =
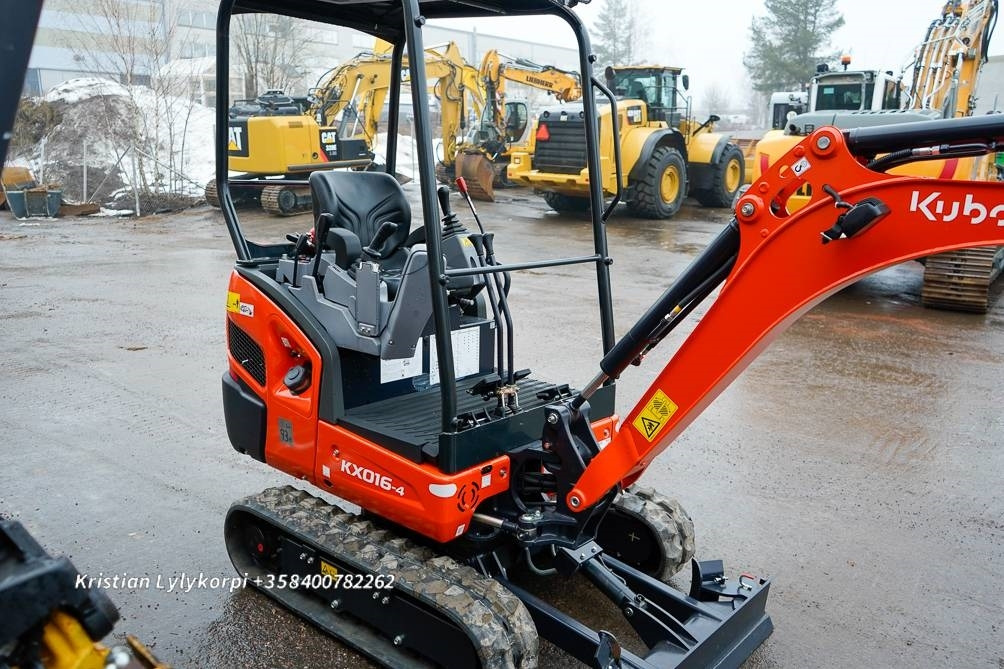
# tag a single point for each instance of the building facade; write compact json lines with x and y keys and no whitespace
{"x":134,"y":41}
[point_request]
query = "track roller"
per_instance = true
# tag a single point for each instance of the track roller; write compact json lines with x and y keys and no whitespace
{"x":401,"y":604}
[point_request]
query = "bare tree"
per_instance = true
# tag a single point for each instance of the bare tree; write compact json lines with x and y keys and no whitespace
{"x":272,"y":50}
{"x":134,"y":41}
{"x":619,"y":34}
{"x":717,"y":99}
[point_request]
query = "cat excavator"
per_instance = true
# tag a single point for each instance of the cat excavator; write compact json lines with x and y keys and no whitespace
{"x":276,"y":143}
{"x":377,"y":363}
{"x":482,"y":159}
{"x":943,"y":84}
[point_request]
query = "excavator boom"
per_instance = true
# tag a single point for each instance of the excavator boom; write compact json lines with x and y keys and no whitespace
{"x":777,"y":265}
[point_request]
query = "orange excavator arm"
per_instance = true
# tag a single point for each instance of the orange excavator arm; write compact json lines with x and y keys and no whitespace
{"x":776,"y":266}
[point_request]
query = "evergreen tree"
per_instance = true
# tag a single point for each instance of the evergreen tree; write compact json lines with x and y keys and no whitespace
{"x":789,"y":42}
{"x":615,"y":34}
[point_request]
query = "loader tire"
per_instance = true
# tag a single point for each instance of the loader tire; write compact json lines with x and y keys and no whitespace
{"x":728,"y":176}
{"x":660,"y":191}
{"x":566,"y":203}
{"x":648,"y":531}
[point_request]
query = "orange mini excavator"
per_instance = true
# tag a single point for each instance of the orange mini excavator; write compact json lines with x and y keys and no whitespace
{"x":377,"y":363}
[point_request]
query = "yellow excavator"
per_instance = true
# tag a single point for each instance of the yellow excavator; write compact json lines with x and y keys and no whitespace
{"x":276,"y":141}
{"x":504,"y":126}
{"x":945,"y":73}
{"x":666,"y":153}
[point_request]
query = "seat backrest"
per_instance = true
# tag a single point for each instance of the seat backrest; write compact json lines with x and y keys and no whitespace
{"x":360,"y":202}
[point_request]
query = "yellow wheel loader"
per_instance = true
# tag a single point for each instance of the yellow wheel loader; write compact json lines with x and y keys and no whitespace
{"x":666,"y":154}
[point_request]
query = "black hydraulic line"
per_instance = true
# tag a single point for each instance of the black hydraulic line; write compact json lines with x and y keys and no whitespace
{"x":430,"y":206}
{"x":489,"y":240}
{"x":988,"y":129}
{"x":905,"y":156}
{"x":615,"y":124}
{"x":721,"y":252}
{"x":479,"y":247}
{"x":688,"y":304}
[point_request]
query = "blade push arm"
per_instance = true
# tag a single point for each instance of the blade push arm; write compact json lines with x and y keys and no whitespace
{"x":783,"y":268}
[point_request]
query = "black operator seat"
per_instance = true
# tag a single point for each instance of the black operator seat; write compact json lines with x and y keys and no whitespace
{"x":361,"y":203}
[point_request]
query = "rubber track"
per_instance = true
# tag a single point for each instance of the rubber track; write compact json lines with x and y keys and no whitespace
{"x":212,"y":195}
{"x":668,"y":520}
{"x":960,"y":280}
{"x":490,"y":615}
{"x":270,"y":200}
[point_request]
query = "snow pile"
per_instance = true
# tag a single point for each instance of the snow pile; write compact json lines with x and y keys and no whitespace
{"x":84,"y":88}
{"x":127,"y":136}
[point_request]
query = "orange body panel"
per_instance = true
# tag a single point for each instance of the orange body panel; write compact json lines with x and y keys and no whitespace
{"x":783,"y":270}
{"x":291,"y":430}
{"x":418,"y":496}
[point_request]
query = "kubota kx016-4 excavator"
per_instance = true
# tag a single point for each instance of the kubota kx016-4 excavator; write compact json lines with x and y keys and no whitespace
{"x":378,"y":365}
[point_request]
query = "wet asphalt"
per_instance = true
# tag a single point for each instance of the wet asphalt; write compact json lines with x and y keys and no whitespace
{"x":857,"y":463}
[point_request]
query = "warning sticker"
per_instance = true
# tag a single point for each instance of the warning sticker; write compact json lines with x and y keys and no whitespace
{"x":655,"y":415}
{"x":329,"y":569}
{"x":233,"y":301}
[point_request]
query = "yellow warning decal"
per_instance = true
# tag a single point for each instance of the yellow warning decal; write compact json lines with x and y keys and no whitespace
{"x":329,"y":569}
{"x":233,"y":302}
{"x":655,"y":415}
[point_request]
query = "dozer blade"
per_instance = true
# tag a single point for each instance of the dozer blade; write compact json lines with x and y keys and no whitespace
{"x":479,"y":173}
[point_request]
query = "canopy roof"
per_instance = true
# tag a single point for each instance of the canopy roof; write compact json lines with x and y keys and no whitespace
{"x":383,"y":18}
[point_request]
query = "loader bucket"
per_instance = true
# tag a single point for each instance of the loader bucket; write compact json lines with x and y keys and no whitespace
{"x":479,"y":173}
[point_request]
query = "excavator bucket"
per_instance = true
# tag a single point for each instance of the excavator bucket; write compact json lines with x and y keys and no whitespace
{"x":479,"y":173}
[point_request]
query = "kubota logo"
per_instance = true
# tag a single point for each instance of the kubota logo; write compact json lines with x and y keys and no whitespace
{"x":936,"y":209}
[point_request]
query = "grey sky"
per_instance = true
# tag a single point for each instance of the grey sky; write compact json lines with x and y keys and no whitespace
{"x":879,"y":34}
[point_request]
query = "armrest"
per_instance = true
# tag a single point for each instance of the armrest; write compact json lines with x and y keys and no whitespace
{"x":346,"y":246}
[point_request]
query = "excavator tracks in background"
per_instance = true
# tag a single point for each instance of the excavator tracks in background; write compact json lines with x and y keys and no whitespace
{"x":417,"y":601}
{"x":286,"y":200}
{"x":960,"y":280}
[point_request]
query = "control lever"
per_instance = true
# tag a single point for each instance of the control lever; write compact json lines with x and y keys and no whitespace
{"x":324,"y":223}
{"x":462,"y":187}
{"x":444,"y":200}
{"x":373,"y":249}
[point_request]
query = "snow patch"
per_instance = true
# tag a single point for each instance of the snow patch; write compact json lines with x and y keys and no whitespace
{"x":84,"y":88}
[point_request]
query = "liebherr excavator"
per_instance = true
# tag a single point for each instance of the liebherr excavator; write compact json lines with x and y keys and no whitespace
{"x":377,"y":363}
{"x":483,"y":157}
{"x":945,"y":73}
